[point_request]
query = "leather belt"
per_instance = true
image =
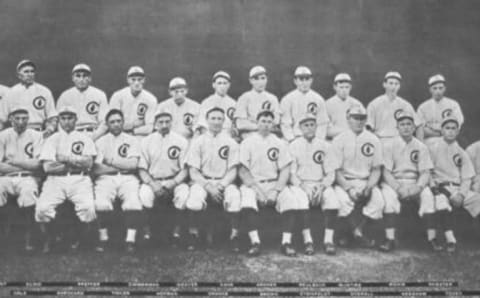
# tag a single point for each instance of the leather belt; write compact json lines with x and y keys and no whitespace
{"x":19,"y":174}
{"x":212,"y":178}
{"x":121,"y":173}
{"x":87,"y":129}
{"x":72,"y":173}
{"x":268,"y":180}
{"x":448,"y":184}
{"x":164,"y":178}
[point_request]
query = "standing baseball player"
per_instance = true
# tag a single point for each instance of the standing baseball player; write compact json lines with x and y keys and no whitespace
{"x":406,"y":174}
{"x":384,"y":110}
{"x":252,"y":102}
{"x":474,"y":152}
{"x":3,"y":90}
{"x":115,"y":169}
{"x":313,"y":170}
{"x":36,"y":97}
{"x":89,"y":102}
{"x":212,"y":162}
{"x":360,"y":157}
{"x":452,"y":179}
{"x":297,"y":103}
{"x":339,"y":104}
{"x":163,"y":173}
{"x":67,"y":158}
{"x":184,"y":110}
{"x":20,"y":168}
{"x":137,"y":104}
{"x":434,"y":110}
{"x":265,"y":164}
{"x":219,"y":99}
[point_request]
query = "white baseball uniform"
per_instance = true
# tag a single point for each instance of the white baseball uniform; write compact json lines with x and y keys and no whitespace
{"x":37,"y":98}
{"x":75,"y":186}
{"x":358,"y":155}
{"x":124,"y":184}
{"x":226,"y":103}
{"x":295,"y":105}
{"x":91,"y":106}
{"x":474,"y":152}
{"x":406,"y":161}
{"x":213,"y":156}
{"x":23,"y":184}
{"x":337,"y":113}
{"x":184,"y":116}
{"x":3,"y":90}
{"x":163,"y":158}
{"x":265,"y":157}
{"x":314,"y":163}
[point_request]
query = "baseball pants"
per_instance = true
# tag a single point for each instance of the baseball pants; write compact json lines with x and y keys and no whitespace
{"x":374,"y":207}
{"x":180,"y":196}
{"x":471,"y":203}
{"x":328,"y":200}
{"x":426,"y":199}
{"x":24,"y":188}
{"x":197,"y":200}
{"x":125,"y":187}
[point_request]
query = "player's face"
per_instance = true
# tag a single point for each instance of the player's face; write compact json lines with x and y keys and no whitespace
{"x":303,"y":83}
{"x":357,"y":122}
{"x":26,"y":75}
{"x":309,"y":128}
{"x":67,"y":122}
{"x":81,"y":79}
{"x":265,"y":124}
{"x":215,"y":121}
{"x":392,"y":86}
{"x":115,"y":124}
{"x":406,"y":128}
{"x":136,"y":83}
{"x":450,"y":131}
{"x":19,"y":121}
{"x":342,"y":89}
{"x":221,"y":86}
{"x":438,"y":90}
{"x":178,"y":93}
{"x":163,"y":124}
{"x":259,"y":83}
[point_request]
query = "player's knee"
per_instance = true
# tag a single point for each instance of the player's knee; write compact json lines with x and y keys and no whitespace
{"x":146,"y":196}
{"x":330,"y":201}
{"x":86,"y":212}
{"x":346,"y":205}
{"x":131,"y":202}
{"x":300,"y":197}
{"x":427,"y":202}
{"x":248,"y":198}
{"x":180,"y":196}
{"x":44,"y":212}
{"x":232,"y":202}
{"x":286,"y":201}
{"x":442,"y":203}
{"x":103,"y":205}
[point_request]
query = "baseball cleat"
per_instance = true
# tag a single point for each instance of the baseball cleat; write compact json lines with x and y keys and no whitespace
{"x":101,"y":246}
{"x":330,"y":248}
{"x":130,"y":247}
{"x":309,"y":249}
{"x":192,"y":242}
{"x":364,"y":242}
{"x":451,"y":247}
{"x":387,"y":246}
{"x":435,"y":245}
{"x":235,"y":244}
{"x":254,"y":250}
{"x":288,"y":250}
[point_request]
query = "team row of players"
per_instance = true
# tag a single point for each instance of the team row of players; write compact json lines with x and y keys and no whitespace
{"x":343,"y":177}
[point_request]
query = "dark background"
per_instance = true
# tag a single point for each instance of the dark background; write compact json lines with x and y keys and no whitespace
{"x":195,"y":38}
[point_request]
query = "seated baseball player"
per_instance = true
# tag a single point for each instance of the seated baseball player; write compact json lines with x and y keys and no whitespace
{"x":474,"y":152}
{"x":251,"y":102}
{"x":360,"y":157}
{"x":20,"y":168}
{"x":67,"y":158}
{"x":115,"y":170}
{"x":406,"y":175}
{"x":163,"y":173}
{"x":220,"y":99}
{"x":264,"y":170}
{"x":452,"y":179}
{"x":212,"y":161}
{"x":184,"y":110}
{"x":313,"y":170}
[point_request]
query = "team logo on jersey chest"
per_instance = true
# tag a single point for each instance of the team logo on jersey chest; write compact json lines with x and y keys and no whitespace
{"x":312,"y":108}
{"x":142,"y":109}
{"x":77,"y":147}
{"x":123,"y":150}
{"x":318,"y":156}
{"x":266,"y":105}
{"x":272,"y":154}
{"x":223,"y":152}
{"x":367,"y":149}
{"x":457,"y":160}
{"x":29,"y":150}
{"x":231,"y":113}
{"x":397,"y":113}
{"x":39,"y":102}
{"x":92,"y":107}
{"x":414,"y":156}
{"x":447,"y":113}
{"x":187,"y":119}
{"x":173,"y":152}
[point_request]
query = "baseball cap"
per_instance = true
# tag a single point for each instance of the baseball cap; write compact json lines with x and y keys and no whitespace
{"x":24,"y":63}
{"x":82,"y":67}
{"x":256,"y":71}
{"x":450,"y":119}
{"x":405,"y":115}
{"x":221,"y":74}
{"x":67,"y":110}
{"x":357,"y":110}
{"x":176,"y":83}
{"x":135,"y":71}
{"x":307,"y":117}
{"x":19,"y":109}
{"x":393,"y":75}
{"x":161,"y":113}
{"x":302,"y":71}
{"x":342,"y":77}
{"x":438,"y":78}
{"x":265,"y":113}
